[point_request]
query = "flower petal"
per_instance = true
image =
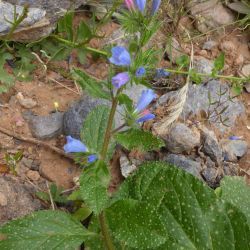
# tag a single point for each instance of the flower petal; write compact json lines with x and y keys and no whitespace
{"x":160,"y":73}
{"x":146,"y":98}
{"x":129,"y":4}
{"x":140,"y":4}
{"x":155,"y":6}
{"x":92,"y":158}
{"x":120,"y":79}
{"x":74,"y":146}
{"x":146,"y":117}
{"x":140,"y":71}
{"x":120,"y":56}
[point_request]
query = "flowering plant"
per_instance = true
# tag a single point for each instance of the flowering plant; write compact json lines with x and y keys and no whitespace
{"x":160,"y":206}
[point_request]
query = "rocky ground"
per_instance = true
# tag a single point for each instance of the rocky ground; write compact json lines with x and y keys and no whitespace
{"x":204,"y":147}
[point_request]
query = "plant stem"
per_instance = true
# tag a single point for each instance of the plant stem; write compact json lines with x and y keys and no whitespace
{"x":107,"y":239}
{"x":202,"y":74}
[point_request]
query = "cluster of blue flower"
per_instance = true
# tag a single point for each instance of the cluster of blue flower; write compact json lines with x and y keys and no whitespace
{"x":141,"y":4}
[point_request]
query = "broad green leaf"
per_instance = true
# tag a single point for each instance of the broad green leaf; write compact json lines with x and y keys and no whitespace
{"x":94,"y":128}
{"x":65,"y":25}
{"x":219,"y":63}
{"x":82,"y":213}
{"x":193,"y":216}
{"x":125,"y":100}
{"x":43,"y":230}
{"x":93,"y":185}
{"x":83,"y":32}
{"x":92,"y":86}
{"x":136,"y":223}
{"x":139,"y":139}
{"x":182,"y":61}
{"x":235,"y":191}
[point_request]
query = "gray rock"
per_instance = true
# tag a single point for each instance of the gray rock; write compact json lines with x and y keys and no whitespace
{"x":203,"y":66}
{"x":41,"y":20}
{"x":184,"y":163}
{"x":181,"y":139}
{"x":211,"y":177}
{"x":233,"y":149}
{"x":127,"y":167}
{"x":231,"y":169}
{"x":211,"y":146}
{"x":197,"y":101}
{"x":209,"y":45}
{"x":73,"y":119}
{"x":45,"y":127}
{"x":18,"y":199}
{"x":210,"y":14}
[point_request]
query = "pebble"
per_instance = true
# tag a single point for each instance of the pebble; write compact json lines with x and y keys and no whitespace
{"x":180,"y":139}
{"x":33,"y":175}
{"x":27,"y":103}
{"x":3,"y":200}
{"x":126,"y":166}
{"x":245,"y":71}
{"x":209,"y":45}
{"x":232,"y":150}
{"x":228,"y":47}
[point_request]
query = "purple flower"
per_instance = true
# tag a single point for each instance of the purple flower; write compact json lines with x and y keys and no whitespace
{"x":234,"y":138}
{"x":120,"y":79}
{"x":146,"y":115}
{"x":160,"y":73}
{"x":140,"y":4}
{"x":140,"y":71}
{"x":129,"y":4}
{"x":155,"y":6}
{"x":120,"y":56}
{"x":74,"y":146}
{"x":92,"y":158}
{"x":146,"y":98}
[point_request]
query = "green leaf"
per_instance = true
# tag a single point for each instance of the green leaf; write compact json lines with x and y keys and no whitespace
{"x":88,"y":83}
{"x":82,"y":213}
{"x":125,"y":100}
{"x":139,"y":139}
{"x":94,"y":183}
{"x":192,"y":215}
{"x":65,"y":25}
{"x":194,"y":76}
{"x":182,"y":61}
{"x":43,"y":230}
{"x":235,"y":191}
{"x":94,"y":128}
{"x":83,"y":32}
{"x":135,"y":223}
{"x":219,"y":63}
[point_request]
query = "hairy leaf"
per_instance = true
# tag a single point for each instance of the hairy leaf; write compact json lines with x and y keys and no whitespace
{"x":43,"y":230}
{"x":94,"y":184}
{"x":92,"y":86}
{"x":139,"y":139}
{"x":94,"y":128}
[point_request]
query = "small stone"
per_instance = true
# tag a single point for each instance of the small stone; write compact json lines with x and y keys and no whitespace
{"x":33,"y":175}
{"x":247,"y":87}
{"x":203,"y":53}
{"x":21,"y":170}
{"x":245,"y":71}
{"x":210,"y":145}
{"x":228,"y":47}
{"x":26,"y":162}
{"x":45,"y":127}
{"x":184,"y":163}
{"x":203,"y":65}
{"x":27,"y":103}
{"x":3,"y":200}
{"x":239,"y":60}
{"x":126,"y":166}
{"x":233,"y":150}
{"x":180,"y":139}
{"x":209,"y":45}
{"x":210,"y":175}
{"x":230,"y":168}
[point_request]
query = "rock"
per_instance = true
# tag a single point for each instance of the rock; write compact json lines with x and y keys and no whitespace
{"x":173,"y":49}
{"x":239,"y":60}
{"x":3,"y":200}
{"x":184,"y":163}
{"x":21,"y":170}
{"x":203,"y":65}
{"x":73,"y":119}
{"x":33,"y":175}
{"x":26,"y":162}
{"x":126,"y":166}
{"x":245,"y":71}
{"x":180,"y":139}
{"x":230,"y":168}
{"x":117,"y":37}
{"x":27,"y":103}
{"x":19,"y":197}
{"x":210,"y":14}
{"x":247,"y":87}
{"x":197,"y":101}
{"x":233,"y":149}
{"x":45,"y":127}
{"x":209,"y":45}
{"x":228,"y":47}
{"x":210,"y":145}
{"x":211,"y":177}
{"x":41,"y":20}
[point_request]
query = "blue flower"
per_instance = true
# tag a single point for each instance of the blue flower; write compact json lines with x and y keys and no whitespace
{"x":140,"y":72}
{"x":146,"y":98}
{"x":146,"y":117}
{"x":74,"y":146}
{"x":155,"y":6}
{"x":92,"y":158}
{"x":140,"y":4}
{"x":120,"y":56}
{"x":120,"y":79}
{"x":160,"y":73}
{"x":234,"y":138}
